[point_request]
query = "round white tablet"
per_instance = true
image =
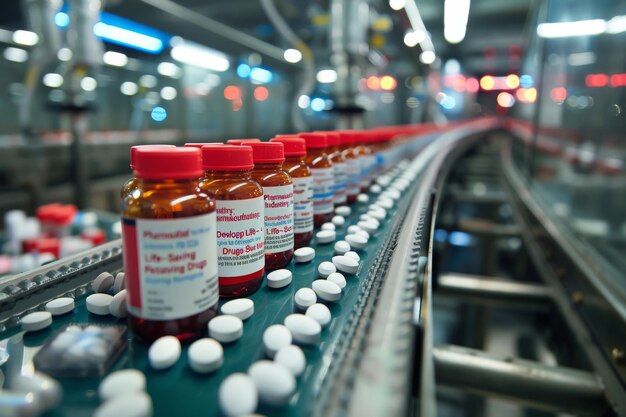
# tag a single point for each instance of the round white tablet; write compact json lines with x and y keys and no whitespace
{"x":357,"y":241}
{"x":366,"y":217}
{"x":362,"y":198}
{"x":118,"y":307}
{"x":274,"y":382}
{"x":279,"y":278}
{"x":305,"y":254}
{"x":326,"y":290}
{"x":241,"y":307}
{"x":303,"y":328}
{"x":304,"y":298}
{"x":48,"y":391}
{"x":346,"y":264}
{"x":291,"y":358}
{"x":59,"y":306}
{"x":338,"y":279}
{"x":344,"y":211}
{"x":275,"y":337}
{"x":353,"y":255}
{"x":363,"y":233}
{"x":238,"y":395}
{"x":326,"y":268}
{"x":369,"y":226}
{"x":352,"y":229}
{"x":164,"y":352}
{"x":376,"y":189}
{"x":341,"y":247}
{"x":99,"y":304}
{"x":103,"y":282}
{"x":392,"y":193}
{"x":325,"y":236}
{"x":378,"y":214}
{"x":120,"y":282}
{"x":122,"y":382}
{"x":205,"y":355}
{"x":137,"y":404}
{"x":338,"y":220}
{"x":385,"y":202}
{"x":328,"y":226}
{"x":226,"y":329}
{"x":320,"y":313}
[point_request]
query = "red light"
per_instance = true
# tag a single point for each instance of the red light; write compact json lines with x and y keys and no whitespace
{"x":388,"y":83}
{"x":512,"y":81}
{"x":487,"y":82}
{"x":471,"y":85}
{"x":618,"y":80}
{"x":373,"y":83}
{"x":597,"y":80}
{"x":237,"y":104}
{"x":232,"y":92}
{"x":458,"y":83}
{"x":505,"y":100}
{"x":261,"y":93}
{"x":558,"y":94}
{"x":521,"y":95}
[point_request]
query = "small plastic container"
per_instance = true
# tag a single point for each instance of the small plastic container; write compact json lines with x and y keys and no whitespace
{"x":296,"y":167}
{"x":240,"y":224}
{"x":278,"y":195}
{"x":131,"y":184}
{"x":353,"y":165}
{"x":170,"y":246}
{"x":323,"y":177}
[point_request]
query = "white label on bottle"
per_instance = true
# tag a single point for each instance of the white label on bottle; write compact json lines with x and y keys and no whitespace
{"x":323,"y":181}
{"x":278,"y":218}
{"x":303,"y":204}
{"x":176,"y":272}
{"x":353,"y":174}
{"x":339,"y":189}
{"x":366,"y":169}
{"x":240,"y":237}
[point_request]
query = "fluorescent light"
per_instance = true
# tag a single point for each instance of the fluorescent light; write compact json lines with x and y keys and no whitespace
{"x":616,"y":25}
{"x":169,"y":69}
{"x":64,"y":54}
{"x":456,"y":13}
{"x":127,"y":37}
{"x":327,"y":76}
{"x":261,"y":75}
{"x":397,"y":4}
{"x":418,"y":25}
{"x":318,"y":104}
{"x":200,"y":56}
{"x":581,"y":58}
{"x":148,"y":81}
{"x":570,"y":29}
{"x":427,"y":57}
{"x":129,"y":88}
{"x":52,"y":80}
{"x":304,"y":101}
{"x":25,"y":37}
{"x":62,"y":19}
{"x":88,"y":83}
{"x":168,"y":93}
{"x":414,"y":37}
{"x":115,"y":59}
{"x":15,"y":54}
{"x":292,"y":55}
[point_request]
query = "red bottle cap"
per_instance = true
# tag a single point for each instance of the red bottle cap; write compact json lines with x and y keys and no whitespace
{"x":133,"y":149}
{"x":240,"y":141}
{"x":346,"y":137}
{"x":168,"y":163}
{"x":333,"y":139}
{"x":201,"y":144}
{"x":227,"y":158}
{"x":294,"y":146}
{"x":267,"y":152}
{"x":314,"y":140}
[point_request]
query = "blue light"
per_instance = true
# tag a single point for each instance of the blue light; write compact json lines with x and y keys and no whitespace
{"x":318,"y":104}
{"x":261,"y":75}
{"x":460,"y":239}
{"x":62,"y":19}
{"x":158,"y":114}
{"x":448,"y":103}
{"x":441,"y":235}
{"x":526,"y":81}
{"x":243,"y":70}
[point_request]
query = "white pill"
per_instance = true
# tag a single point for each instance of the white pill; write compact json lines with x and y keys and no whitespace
{"x":344,"y":211}
{"x":118,"y":307}
{"x":238,"y":395}
{"x":378,"y":214}
{"x":363,"y":233}
{"x":103,"y":282}
{"x":346,"y":264}
{"x":338,"y":279}
{"x":305,"y":297}
{"x":326,"y":290}
{"x":120,"y":282}
{"x":36,"y":321}
{"x":276,"y":337}
{"x":392,"y":193}
{"x":164,"y":352}
{"x":137,"y":404}
{"x":241,"y":307}
{"x":369,"y":226}
{"x":362,"y":198}
{"x":99,"y":304}
{"x":304,"y":329}
{"x":320,"y":313}
{"x":353,"y":229}
{"x":60,"y":306}
{"x":367,"y":218}
{"x":386,"y":203}
{"x":328,"y":226}
{"x":205,"y":355}
{"x":353,"y":255}
{"x":326,"y":236}
{"x":338,"y":220}
{"x":274,"y":382}
{"x":280,"y":278}
{"x":376,"y":188}
{"x":305,"y":254}
{"x":341,"y":247}
{"x":357,"y":241}
{"x":291,"y":358}
{"x":122,"y":382}
{"x":326,"y":268}
{"x":226,"y":329}
{"x":48,"y":391}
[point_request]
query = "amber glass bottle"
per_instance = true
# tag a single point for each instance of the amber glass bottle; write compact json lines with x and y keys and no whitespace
{"x":295,"y":165}
{"x":323,"y":177}
{"x":240,"y":227}
{"x":278,"y":195}
{"x":353,"y":165}
{"x":131,"y":184}
{"x":170,"y":254}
